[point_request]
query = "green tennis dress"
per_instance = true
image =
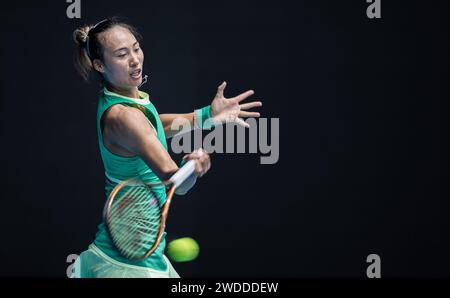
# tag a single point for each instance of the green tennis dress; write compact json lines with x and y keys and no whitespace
{"x":118,"y":168}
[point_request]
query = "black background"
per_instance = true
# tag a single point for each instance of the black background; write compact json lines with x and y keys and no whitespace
{"x":361,"y":109}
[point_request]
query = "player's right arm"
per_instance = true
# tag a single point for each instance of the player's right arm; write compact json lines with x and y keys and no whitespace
{"x":129,"y":128}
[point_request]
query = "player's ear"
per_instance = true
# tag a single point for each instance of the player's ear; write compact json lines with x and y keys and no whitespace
{"x":98,"y":66}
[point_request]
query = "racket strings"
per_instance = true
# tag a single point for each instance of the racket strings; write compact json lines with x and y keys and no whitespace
{"x":135,"y":220}
{"x":139,"y":207}
{"x":142,"y":218}
{"x":140,"y":204}
{"x":139,"y":212}
{"x":136,"y":239}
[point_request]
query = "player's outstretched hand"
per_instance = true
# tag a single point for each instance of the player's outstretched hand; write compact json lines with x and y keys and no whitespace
{"x":225,"y":110}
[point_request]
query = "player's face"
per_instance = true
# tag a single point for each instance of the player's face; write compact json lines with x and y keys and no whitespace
{"x":123,"y":58}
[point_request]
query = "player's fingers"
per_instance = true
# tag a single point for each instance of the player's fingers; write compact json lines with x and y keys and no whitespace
{"x":204,"y":163}
{"x":192,"y":155}
{"x":198,"y":168}
{"x":201,"y":152}
{"x":251,"y":105}
{"x":249,"y":114}
{"x":243,"y":96}
{"x":220,"y":89}
{"x":208,"y":164}
{"x":206,"y":160}
{"x":242,"y":123}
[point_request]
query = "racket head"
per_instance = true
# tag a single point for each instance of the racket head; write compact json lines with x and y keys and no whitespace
{"x":135,"y":217}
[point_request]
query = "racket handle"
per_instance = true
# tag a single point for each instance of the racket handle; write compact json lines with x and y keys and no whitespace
{"x":182,"y":174}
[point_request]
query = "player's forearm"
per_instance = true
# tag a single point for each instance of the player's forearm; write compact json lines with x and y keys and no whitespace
{"x":164,"y":169}
{"x":168,"y":119}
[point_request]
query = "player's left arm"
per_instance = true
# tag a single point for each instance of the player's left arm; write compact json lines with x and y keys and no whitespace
{"x":168,"y":119}
{"x":221,"y":110}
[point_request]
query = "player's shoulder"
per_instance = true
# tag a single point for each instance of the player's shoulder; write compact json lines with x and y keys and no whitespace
{"x":121,"y":112}
{"x":122,"y":115}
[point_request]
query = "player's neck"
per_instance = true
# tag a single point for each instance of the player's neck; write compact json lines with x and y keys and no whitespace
{"x":132,"y":93}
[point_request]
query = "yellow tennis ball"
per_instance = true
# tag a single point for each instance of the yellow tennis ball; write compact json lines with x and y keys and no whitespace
{"x":183,"y":250}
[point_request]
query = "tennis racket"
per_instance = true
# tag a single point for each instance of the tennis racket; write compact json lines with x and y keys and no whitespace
{"x":135,"y":217}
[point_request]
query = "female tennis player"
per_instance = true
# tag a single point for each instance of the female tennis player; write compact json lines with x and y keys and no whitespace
{"x":132,"y":137}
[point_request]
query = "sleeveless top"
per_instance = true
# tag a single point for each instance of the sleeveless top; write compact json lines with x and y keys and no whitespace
{"x":118,"y":168}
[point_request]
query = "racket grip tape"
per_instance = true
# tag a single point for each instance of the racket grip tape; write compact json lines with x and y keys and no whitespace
{"x":183,"y":173}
